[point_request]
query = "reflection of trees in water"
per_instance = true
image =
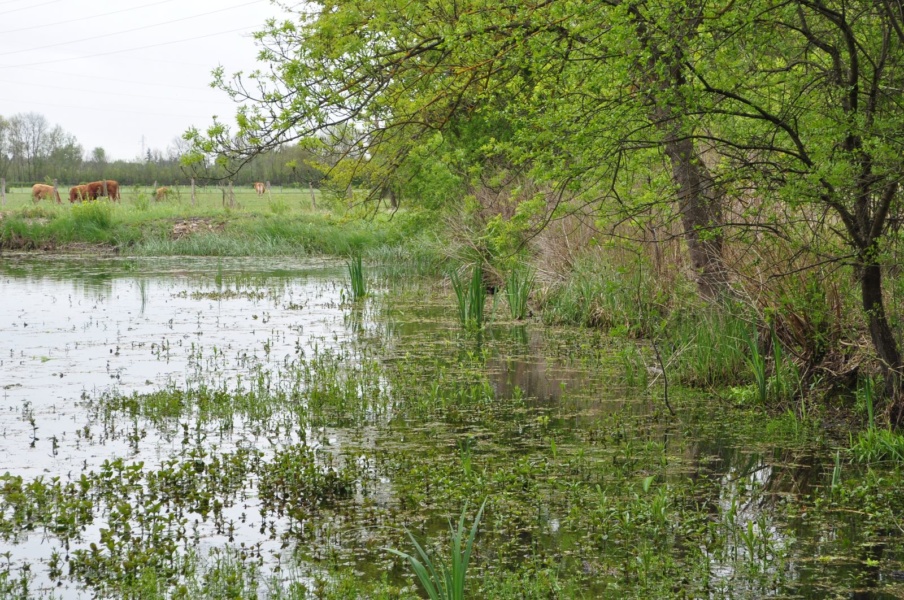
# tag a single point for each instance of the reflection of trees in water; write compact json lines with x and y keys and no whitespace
{"x":756,"y":495}
{"x":526,"y":368}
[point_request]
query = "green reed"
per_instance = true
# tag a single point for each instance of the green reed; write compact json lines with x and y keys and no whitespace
{"x":442,"y":581}
{"x":518,"y":287}
{"x":471,"y":298}
{"x":357,"y":284}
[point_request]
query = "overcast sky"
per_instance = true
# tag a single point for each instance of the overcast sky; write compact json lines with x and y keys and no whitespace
{"x":112,"y":72}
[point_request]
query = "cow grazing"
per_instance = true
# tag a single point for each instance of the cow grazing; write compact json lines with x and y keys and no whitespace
{"x":42,"y":190}
{"x":78,"y":193}
{"x":260,"y":188}
{"x":162,"y":193}
{"x":96,"y":189}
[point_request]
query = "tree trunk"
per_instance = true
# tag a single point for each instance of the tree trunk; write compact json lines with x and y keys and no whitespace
{"x":700,"y":205}
{"x":883,"y":339}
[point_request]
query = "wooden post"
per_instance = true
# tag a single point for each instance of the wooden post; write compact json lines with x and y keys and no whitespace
{"x":105,"y":188}
{"x":3,"y":191}
{"x":269,"y":193}
{"x":55,"y":195}
{"x":192,"y":191}
{"x":231,"y":195}
{"x":313,"y":197}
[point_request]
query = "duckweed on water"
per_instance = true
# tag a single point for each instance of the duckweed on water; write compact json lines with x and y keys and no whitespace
{"x":282,"y":468}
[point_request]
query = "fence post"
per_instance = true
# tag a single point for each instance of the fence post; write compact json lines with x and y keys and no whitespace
{"x":106,"y":194}
{"x":231,"y":196}
{"x":269,"y":193}
{"x":55,"y":195}
{"x":192,"y":191}
{"x":3,"y":191}
{"x":313,"y":197}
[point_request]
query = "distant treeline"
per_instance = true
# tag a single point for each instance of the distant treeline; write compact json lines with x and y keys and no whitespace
{"x":32,"y":151}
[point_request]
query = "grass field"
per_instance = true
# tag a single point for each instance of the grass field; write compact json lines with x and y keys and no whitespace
{"x":283,"y":221}
{"x":208,"y":197}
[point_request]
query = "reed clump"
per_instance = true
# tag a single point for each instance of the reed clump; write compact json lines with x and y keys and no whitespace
{"x":471,"y":298}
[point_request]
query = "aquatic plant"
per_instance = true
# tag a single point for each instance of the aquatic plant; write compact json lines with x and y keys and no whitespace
{"x":876,"y":443}
{"x":442,"y":581}
{"x":471,"y":298}
{"x":357,"y":285}
{"x":518,"y":287}
{"x":757,"y":363}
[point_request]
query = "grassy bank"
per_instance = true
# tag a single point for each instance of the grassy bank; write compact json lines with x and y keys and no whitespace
{"x":284,"y":222}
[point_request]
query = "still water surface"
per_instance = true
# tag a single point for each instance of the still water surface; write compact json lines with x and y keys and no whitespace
{"x":76,"y":330}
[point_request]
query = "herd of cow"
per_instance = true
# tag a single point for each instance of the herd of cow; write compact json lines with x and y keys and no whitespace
{"x":88,"y":191}
{"x":107,"y":187}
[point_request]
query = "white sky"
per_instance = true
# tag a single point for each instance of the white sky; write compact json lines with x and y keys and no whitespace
{"x":112,"y":71}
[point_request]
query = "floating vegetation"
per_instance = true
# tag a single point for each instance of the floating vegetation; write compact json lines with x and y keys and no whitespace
{"x":205,"y":449}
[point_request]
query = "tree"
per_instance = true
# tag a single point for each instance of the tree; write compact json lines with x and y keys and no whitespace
{"x":816,"y":120}
{"x":5,"y":150}
{"x":595,"y":96}
{"x":99,"y":156}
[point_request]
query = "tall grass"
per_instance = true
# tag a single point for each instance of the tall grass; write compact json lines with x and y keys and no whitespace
{"x":357,"y":285}
{"x":875,"y":444}
{"x":705,"y":345}
{"x":444,"y":581}
{"x":518,"y":287}
{"x":626,"y":300}
{"x":94,"y":214}
{"x":471,"y":298}
{"x":757,"y":363}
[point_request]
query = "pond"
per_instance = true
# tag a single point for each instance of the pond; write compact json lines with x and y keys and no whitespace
{"x":176,"y":422}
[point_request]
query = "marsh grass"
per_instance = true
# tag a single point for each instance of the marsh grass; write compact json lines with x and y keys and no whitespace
{"x":471,"y":298}
{"x":707,"y":346}
{"x":628,"y":301}
{"x":518,"y":287}
{"x":441,"y":580}
{"x":876,"y":444}
{"x":357,"y":284}
{"x":757,"y":363}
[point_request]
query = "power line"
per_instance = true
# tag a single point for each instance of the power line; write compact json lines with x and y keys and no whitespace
{"x":106,"y":92}
{"x":68,"y":21}
{"x":109,"y":110}
{"x":155,"y":84}
{"x":97,"y":37}
{"x":191,"y":39}
{"x":27,"y":7}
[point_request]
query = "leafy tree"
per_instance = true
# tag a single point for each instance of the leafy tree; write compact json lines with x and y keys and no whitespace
{"x":99,"y":156}
{"x":705,"y":102}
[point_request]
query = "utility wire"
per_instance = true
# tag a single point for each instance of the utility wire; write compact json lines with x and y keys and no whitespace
{"x":106,"y":92}
{"x":191,"y":39}
{"x":109,"y":110}
{"x":6,"y":12}
{"x":155,"y":84}
{"x":97,"y":37}
{"x":68,"y":21}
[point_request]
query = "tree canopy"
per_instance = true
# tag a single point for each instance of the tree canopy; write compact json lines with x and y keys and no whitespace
{"x":778,"y":118}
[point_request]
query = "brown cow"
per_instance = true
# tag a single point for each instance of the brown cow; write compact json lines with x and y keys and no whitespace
{"x":78,"y":192}
{"x":42,"y":190}
{"x":260,"y":188}
{"x":162,"y":193}
{"x":96,"y":189}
